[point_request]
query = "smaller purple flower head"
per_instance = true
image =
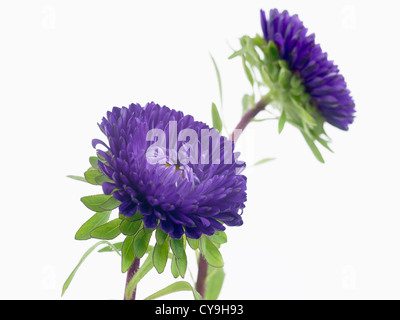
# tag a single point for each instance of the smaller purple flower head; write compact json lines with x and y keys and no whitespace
{"x":173,"y":172}
{"x":321,"y":77}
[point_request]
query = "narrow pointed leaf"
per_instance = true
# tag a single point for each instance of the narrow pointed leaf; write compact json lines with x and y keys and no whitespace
{"x":117,"y":246}
{"x":85,"y":255}
{"x":77,"y":178}
{"x":219,"y":79}
{"x":175,"y":287}
{"x":282,"y":121}
{"x":313,"y":148}
{"x":264,"y":161}
{"x":216,"y":119}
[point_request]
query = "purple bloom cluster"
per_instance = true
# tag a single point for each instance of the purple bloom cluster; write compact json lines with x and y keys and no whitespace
{"x":324,"y":83}
{"x":194,"y":199}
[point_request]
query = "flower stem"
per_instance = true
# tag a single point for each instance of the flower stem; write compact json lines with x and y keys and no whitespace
{"x":131,"y":272}
{"x":247,"y":118}
{"x":201,"y":276}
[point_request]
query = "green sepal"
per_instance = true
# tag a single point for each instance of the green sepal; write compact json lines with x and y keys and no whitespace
{"x":219,"y":237}
{"x":95,"y":202}
{"x":211,"y":253}
{"x":94,"y":162}
{"x":160,"y":256}
{"x":97,"y":220}
{"x":130,"y":228}
{"x":178,"y":247}
{"x":181,"y":264}
{"x":193,"y":243}
{"x":161,"y":236}
{"x":174,"y":268}
{"x":91,"y":175}
{"x":128,"y":256}
{"x":141,"y":243}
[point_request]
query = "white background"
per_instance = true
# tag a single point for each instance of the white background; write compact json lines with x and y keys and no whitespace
{"x":311,"y":231}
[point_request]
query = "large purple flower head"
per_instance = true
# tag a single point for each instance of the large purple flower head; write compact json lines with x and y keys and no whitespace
{"x":194,"y":194}
{"x":322,"y":80}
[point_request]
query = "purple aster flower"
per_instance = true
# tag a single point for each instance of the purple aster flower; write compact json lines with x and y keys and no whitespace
{"x":322,"y":80}
{"x":194,"y":197}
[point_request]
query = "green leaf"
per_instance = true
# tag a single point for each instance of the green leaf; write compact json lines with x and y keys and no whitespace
{"x":160,"y":256}
{"x":216,"y":119}
{"x":128,"y":256}
{"x":142,"y":271}
{"x":219,"y":80}
{"x":117,"y":245}
{"x":219,"y":237}
{"x":237,"y":53}
{"x":141,"y":243}
{"x":100,"y":179}
{"x":107,"y":231}
{"x":161,"y":236}
{"x":313,"y":148}
{"x":175,"y":287}
{"x":211,"y":253}
{"x":85,"y":255}
{"x":94,"y":162}
{"x":214,"y":281}
{"x":174,"y":267}
{"x":129,"y":228}
{"x":193,"y":243}
{"x":77,"y":178}
{"x":94,"y":202}
{"x":97,"y":220}
{"x":110,"y":204}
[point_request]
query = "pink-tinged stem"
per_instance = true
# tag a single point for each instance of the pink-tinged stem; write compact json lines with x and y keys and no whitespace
{"x":131,"y":272}
{"x":247,"y":118}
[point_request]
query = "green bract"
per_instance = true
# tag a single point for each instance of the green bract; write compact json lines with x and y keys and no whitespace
{"x":265,"y":68}
{"x":137,"y":241}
